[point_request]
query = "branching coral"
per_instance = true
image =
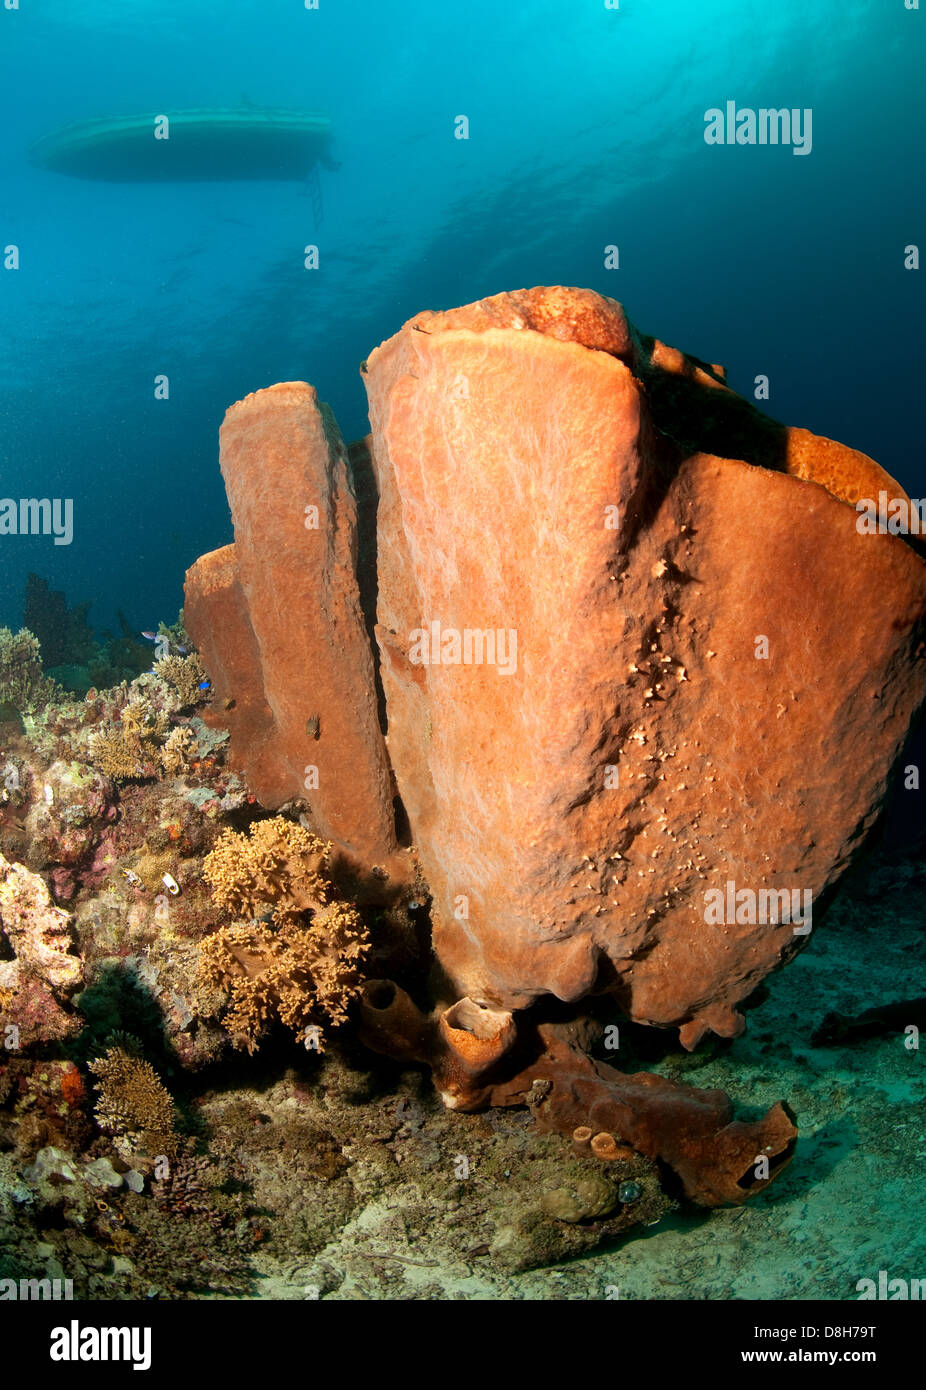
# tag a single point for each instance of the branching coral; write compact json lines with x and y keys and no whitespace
{"x":178,"y":748}
{"x":143,"y":724}
{"x":185,"y":675}
{"x":302,"y":970}
{"x":143,"y":744}
{"x":133,"y":1106}
{"x":22,"y":682}
{"x":133,"y":750}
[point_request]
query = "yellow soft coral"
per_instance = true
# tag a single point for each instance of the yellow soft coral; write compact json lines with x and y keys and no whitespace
{"x":178,"y":751}
{"x":305,"y":968}
{"x":278,"y":864}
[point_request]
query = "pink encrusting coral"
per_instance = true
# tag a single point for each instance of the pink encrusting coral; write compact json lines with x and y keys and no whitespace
{"x":37,"y":984}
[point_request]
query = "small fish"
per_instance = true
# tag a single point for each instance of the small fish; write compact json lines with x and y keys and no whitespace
{"x":150,"y":636}
{"x":183,"y":650}
{"x":204,"y":685}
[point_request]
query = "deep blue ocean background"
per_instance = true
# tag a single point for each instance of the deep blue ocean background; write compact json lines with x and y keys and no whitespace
{"x":586,"y":128}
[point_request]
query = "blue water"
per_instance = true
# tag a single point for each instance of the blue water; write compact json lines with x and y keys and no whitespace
{"x":586,"y":129}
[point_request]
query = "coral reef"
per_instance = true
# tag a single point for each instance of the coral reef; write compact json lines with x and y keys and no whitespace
{"x":140,"y":747}
{"x":132,"y":750}
{"x":119,"y":657}
{"x":23,"y":683}
{"x":42,"y":1105}
{"x":136,"y":739}
{"x":133,"y":1105}
{"x":66,"y":822}
{"x":80,"y":660}
{"x":300,"y":972}
{"x":38,"y":982}
{"x":344,"y":1178}
{"x":198,"y":924}
{"x":177,"y":752}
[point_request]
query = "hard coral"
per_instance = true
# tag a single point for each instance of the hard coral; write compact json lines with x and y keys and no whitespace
{"x":179,"y":746}
{"x":133,"y":750}
{"x":133,"y":1105}
{"x":298,"y":971}
{"x":22,"y":682}
{"x":64,"y":822}
{"x":185,"y":676}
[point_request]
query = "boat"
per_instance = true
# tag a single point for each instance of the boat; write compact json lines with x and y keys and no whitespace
{"x":244,"y":142}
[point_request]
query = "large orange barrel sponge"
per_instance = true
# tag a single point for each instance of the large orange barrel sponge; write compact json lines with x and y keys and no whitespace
{"x":646,"y":678}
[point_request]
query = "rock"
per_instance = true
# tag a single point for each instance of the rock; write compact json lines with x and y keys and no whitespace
{"x":586,"y":1199}
{"x":36,"y":985}
{"x":134,"y":1180}
{"x":703,"y":672}
{"x":101,"y":1173}
{"x":51,"y":1163}
{"x":279,"y":623}
{"x":64,"y":821}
